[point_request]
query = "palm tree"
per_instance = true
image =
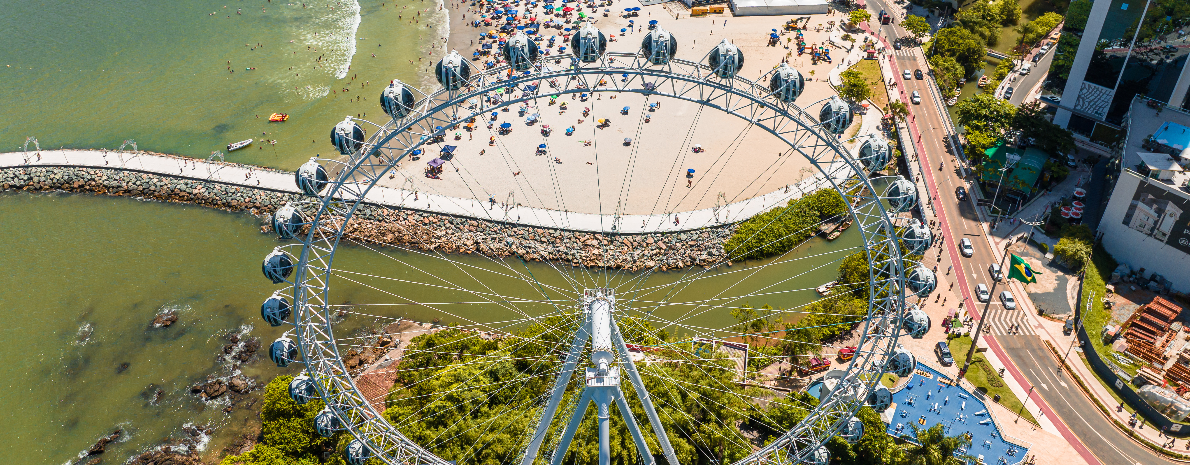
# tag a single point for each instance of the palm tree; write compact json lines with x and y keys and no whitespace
{"x":936,"y":448}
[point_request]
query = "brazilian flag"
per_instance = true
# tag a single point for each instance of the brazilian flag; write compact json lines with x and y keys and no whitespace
{"x":1020,"y":271}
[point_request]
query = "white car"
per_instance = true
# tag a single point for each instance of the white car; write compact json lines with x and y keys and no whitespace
{"x":994,"y":270}
{"x":915,"y":97}
{"x":1009,"y":302}
{"x":907,"y":75}
{"x":982,"y":293}
{"x":1026,"y":68}
{"x":965,"y":247}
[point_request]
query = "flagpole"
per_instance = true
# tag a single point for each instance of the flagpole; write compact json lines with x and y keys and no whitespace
{"x":984,"y":316}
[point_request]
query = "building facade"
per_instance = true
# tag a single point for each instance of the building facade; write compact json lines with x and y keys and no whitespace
{"x":1113,"y":50}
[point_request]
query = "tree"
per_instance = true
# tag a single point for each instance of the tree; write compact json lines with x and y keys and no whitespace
{"x":1077,"y":15}
{"x":875,"y":447}
{"x":936,"y":448}
{"x":960,"y":44}
{"x":1073,"y":252}
{"x":287,"y":431}
{"x":1010,"y":12}
{"x":859,"y":16}
{"x":986,"y":113}
{"x":898,"y":109}
{"x":982,"y":19}
{"x":978,"y":142}
{"x":1031,"y":121}
{"x":1037,"y":29}
{"x":916,"y":25}
{"x":947,"y":73}
{"x":855,"y":88}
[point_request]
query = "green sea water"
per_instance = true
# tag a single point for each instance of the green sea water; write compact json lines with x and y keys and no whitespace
{"x":86,"y":275}
{"x":172,"y":77}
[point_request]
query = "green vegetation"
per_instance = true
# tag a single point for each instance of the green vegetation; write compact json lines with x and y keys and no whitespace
{"x":985,"y":119}
{"x":859,"y":15}
{"x":1077,"y":15}
{"x":1033,"y":31}
{"x":779,"y":230}
{"x":287,"y":434}
{"x":825,"y":319}
{"x":916,"y":25}
{"x":1095,"y":276}
{"x":936,"y":448}
{"x":983,"y":19}
{"x":965,"y":47}
{"x":855,"y":88}
{"x":947,"y":73}
{"x":1030,"y":119}
{"x":870,"y":76}
{"x":1074,"y":246}
{"x":986,"y":380}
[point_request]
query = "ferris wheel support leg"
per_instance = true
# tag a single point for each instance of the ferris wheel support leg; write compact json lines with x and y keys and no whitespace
{"x":637,"y":436}
{"x":603,"y":402}
{"x":560,"y":452}
{"x":643,"y":394}
{"x":547,"y":417}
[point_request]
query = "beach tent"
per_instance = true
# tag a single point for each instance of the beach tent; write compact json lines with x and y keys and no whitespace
{"x":505,"y":125}
{"x":436,"y":162}
{"x":448,"y":149}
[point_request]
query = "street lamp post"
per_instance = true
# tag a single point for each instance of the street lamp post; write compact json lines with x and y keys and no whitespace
{"x":1024,"y":404}
{"x":1010,"y":160}
{"x":986,"y":316}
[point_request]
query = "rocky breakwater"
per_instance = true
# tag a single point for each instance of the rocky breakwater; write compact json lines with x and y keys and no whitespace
{"x":400,"y":227}
{"x":448,"y":234}
{"x":143,"y":185}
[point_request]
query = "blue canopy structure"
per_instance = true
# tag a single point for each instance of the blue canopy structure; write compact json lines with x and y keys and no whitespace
{"x":448,"y":148}
{"x":505,"y":125}
{"x":690,"y":171}
{"x":541,"y":146}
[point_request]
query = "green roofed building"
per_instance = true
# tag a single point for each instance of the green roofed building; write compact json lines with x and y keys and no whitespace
{"x":1021,"y":178}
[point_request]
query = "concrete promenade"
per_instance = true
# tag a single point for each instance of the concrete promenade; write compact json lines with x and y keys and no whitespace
{"x":283,"y":181}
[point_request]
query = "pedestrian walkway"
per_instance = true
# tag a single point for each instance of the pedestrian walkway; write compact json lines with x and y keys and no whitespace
{"x":283,"y":181}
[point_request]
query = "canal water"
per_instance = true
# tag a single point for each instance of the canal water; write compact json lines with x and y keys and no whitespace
{"x":178,"y":79}
{"x":87,"y":275}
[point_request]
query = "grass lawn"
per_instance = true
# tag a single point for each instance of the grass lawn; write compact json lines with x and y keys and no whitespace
{"x":870,"y":69}
{"x":889,"y":380}
{"x":1094,"y":320}
{"x":984,"y":379}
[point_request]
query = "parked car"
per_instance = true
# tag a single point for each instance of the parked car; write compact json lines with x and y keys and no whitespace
{"x":994,"y":270}
{"x":1068,"y":327}
{"x":982,"y":293}
{"x":1038,"y":56}
{"x":1008,"y":93}
{"x":960,"y":193}
{"x":965,"y":247}
{"x":1026,"y":68}
{"x":915,"y":97}
{"x":907,"y":74}
{"x":1070,"y":161}
{"x":943,"y":352}
{"x":1006,"y":298}
{"x":918,"y":74}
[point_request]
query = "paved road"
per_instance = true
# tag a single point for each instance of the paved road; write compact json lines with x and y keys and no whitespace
{"x":1024,"y":85}
{"x":1077,"y":418}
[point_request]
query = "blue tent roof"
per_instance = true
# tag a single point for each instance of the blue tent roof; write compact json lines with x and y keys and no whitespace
{"x":506,"y":125}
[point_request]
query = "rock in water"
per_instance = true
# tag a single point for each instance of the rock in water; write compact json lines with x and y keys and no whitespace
{"x":165,"y":319}
{"x":101,"y":445}
{"x":239,"y":385}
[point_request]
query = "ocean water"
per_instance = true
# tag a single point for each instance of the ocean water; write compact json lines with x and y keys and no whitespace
{"x":173,"y":77}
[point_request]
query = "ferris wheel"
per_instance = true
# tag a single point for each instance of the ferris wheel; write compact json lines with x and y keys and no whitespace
{"x":558,"y":313}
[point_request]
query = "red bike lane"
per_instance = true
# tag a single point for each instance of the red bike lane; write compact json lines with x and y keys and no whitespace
{"x":949,"y":242}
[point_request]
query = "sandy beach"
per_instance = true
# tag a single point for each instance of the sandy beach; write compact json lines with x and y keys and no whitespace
{"x":594,"y":170}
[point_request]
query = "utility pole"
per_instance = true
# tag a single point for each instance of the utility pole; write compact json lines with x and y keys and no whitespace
{"x":1018,"y":412}
{"x":985,"y":315}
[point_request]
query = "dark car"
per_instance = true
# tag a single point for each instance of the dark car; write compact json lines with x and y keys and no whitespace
{"x":1008,"y":93}
{"x":943,"y":352}
{"x":918,"y":74}
{"x":961,"y":193}
{"x":897,"y":45}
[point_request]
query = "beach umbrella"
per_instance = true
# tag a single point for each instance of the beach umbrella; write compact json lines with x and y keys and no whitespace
{"x":541,"y":146}
{"x":416,"y":152}
{"x":690,"y":171}
{"x":627,"y":140}
{"x":495,"y":115}
{"x":505,"y":125}
{"x":623,"y":30}
{"x":653,"y":22}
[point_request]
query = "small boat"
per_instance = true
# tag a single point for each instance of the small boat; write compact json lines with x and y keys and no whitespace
{"x":238,"y":145}
{"x":825,"y":288}
{"x":952,"y":101}
{"x":278,"y":117}
{"x":957,"y":92}
{"x":984,"y":80}
{"x":962,"y":81}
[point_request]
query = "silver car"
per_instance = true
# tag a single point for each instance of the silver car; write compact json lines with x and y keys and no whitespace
{"x":1009,"y":302}
{"x":982,"y":293}
{"x":965,"y":247}
{"x":994,"y":270}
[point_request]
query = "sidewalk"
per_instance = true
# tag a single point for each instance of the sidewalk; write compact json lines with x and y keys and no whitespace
{"x":1034,"y":211}
{"x":283,"y":181}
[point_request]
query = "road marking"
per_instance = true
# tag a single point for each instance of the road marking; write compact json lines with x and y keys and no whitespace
{"x":1036,"y":376}
{"x":1084,"y":420}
